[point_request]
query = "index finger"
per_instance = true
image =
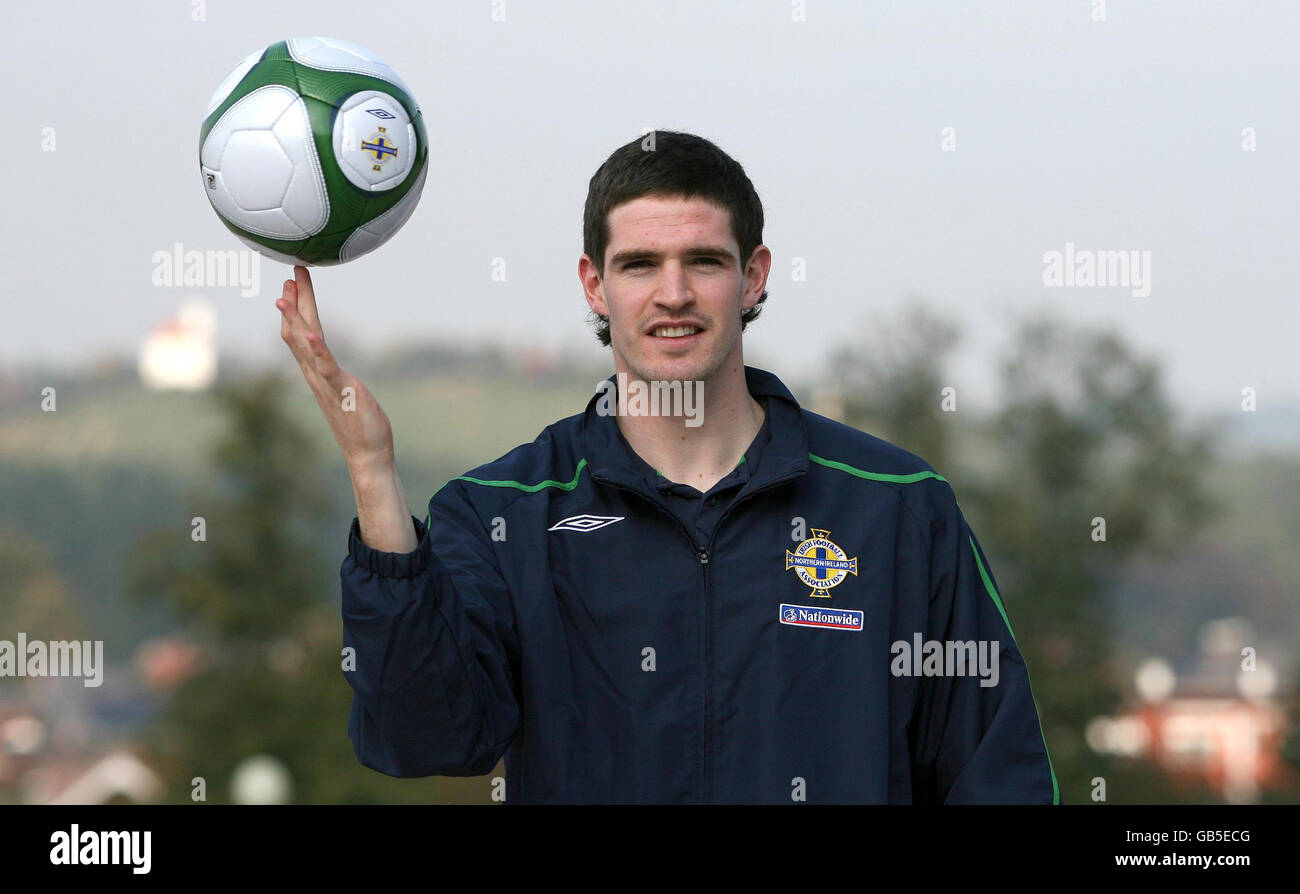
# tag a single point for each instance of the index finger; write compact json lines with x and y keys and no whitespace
{"x":306,"y":298}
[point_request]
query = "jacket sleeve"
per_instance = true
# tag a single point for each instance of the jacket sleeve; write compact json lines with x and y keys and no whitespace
{"x":973,"y":743}
{"x":435,"y":648}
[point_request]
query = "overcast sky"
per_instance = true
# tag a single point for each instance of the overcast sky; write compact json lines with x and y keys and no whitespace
{"x":1125,"y":134}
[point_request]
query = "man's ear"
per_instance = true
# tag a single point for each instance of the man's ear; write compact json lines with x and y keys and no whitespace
{"x":756,"y":271}
{"x":592,"y":285}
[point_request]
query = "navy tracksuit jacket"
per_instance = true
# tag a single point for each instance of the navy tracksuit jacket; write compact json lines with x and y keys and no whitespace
{"x":559,"y":612}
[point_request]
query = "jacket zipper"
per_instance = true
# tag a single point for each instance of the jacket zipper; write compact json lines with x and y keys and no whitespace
{"x":703,"y":555}
{"x":704,"y":560}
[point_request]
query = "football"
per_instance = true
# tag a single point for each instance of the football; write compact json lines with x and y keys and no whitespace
{"x":313,"y":151}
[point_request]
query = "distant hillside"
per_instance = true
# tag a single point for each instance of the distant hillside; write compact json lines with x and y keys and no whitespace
{"x":115,"y":459}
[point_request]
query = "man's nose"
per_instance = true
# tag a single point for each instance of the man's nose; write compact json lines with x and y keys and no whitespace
{"x":675,"y":287}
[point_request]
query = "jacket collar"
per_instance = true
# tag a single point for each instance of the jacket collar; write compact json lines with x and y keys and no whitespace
{"x":610,"y":458}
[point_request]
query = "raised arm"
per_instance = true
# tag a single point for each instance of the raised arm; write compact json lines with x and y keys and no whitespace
{"x":359,"y":423}
{"x":430,"y":649}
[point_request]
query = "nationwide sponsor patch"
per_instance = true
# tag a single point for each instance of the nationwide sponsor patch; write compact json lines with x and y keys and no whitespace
{"x":815,"y":616}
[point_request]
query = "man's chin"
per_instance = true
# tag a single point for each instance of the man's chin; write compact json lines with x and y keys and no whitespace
{"x":677,"y":370}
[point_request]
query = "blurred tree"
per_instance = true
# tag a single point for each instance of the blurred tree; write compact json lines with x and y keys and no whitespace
{"x":1084,"y":433}
{"x":35,"y":598}
{"x":894,"y":385}
{"x":251,"y":595}
{"x":1088,"y":438}
{"x":1290,"y":748}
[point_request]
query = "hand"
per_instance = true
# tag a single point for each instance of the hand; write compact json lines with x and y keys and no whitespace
{"x":363,"y":431}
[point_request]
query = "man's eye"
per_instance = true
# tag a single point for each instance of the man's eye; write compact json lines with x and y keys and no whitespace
{"x":713,"y":261}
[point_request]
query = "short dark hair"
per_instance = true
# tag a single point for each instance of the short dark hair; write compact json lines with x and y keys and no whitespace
{"x":680,"y":165}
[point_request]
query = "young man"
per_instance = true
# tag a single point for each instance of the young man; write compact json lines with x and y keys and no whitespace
{"x":741,"y":602}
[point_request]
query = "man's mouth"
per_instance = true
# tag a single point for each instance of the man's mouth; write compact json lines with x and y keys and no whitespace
{"x":674,"y":331}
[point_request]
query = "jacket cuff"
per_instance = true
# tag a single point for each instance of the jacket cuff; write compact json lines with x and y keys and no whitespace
{"x":387,"y":564}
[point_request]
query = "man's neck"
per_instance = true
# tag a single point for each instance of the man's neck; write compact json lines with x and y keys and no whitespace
{"x":704,"y":454}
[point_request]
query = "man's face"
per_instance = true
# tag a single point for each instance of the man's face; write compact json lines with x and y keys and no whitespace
{"x":674,"y":288}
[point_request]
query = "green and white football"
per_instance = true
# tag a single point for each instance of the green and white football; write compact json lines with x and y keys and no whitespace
{"x":313,"y":151}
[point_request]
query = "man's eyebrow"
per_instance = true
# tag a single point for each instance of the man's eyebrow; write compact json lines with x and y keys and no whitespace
{"x":643,"y":254}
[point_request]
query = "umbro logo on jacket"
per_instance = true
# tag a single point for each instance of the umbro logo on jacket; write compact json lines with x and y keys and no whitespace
{"x":584,"y":523}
